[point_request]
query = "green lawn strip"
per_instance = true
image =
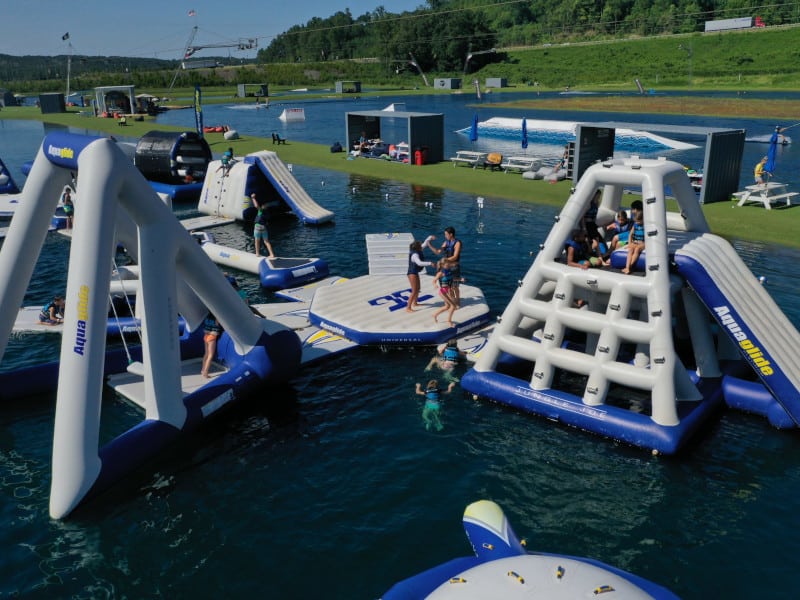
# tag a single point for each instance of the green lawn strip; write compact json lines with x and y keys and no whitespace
{"x":750,"y":222}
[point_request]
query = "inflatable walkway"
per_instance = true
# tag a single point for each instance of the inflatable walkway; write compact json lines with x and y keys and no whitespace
{"x":644,"y":357}
{"x":226,"y":190}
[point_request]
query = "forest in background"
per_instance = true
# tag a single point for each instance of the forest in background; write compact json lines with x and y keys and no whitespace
{"x":455,"y":38}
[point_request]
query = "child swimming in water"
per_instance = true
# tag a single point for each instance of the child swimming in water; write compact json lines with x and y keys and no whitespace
{"x":446,"y":358}
{"x":430,"y":412}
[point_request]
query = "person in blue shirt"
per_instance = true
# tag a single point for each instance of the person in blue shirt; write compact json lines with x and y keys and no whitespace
{"x":433,"y":406}
{"x":52,"y":313}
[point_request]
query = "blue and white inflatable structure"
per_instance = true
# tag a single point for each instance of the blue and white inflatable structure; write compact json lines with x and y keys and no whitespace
{"x":276,"y":273}
{"x":649,"y":356}
{"x":559,"y":133}
{"x":7,"y":183}
{"x":502,"y":568}
{"x":226,"y":190}
{"x":176,"y":277}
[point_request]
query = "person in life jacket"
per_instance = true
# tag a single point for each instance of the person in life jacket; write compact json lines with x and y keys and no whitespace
{"x":52,"y":313}
{"x":432,"y":408}
{"x":446,"y":358}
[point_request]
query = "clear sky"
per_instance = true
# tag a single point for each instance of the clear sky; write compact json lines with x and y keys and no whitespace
{"x":161,"y":28}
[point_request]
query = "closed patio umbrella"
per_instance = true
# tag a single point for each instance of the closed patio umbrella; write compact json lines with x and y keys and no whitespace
{"x":473,"y":131}
{"x":524,"y":133}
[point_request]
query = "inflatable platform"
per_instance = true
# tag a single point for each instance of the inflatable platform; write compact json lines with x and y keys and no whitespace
{"x":274,"y":273}
{"x":639,"y":357}
{"x":371,"y":309}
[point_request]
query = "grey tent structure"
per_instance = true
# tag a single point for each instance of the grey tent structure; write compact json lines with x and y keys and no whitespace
{"x":115,"y":98}
{"x":424,"y":131}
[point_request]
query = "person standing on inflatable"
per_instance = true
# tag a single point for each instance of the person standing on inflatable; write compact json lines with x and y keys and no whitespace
{"x":260,"y":228}
{"x":451,"y":247}
{"x":416,"y":264}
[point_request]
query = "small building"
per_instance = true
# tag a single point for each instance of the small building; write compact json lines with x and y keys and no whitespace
{"x":447,"y":83}
{"x":114,"y":99}
{"x":244,"y":90}
{"x":348,"y":87}
{"x":496,"y":82}
{"x":52,"y":103}
{"x":424,"y":131}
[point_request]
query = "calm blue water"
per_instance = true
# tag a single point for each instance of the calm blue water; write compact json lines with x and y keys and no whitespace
{"x":325,"y":124}
{"x":333,"y":488}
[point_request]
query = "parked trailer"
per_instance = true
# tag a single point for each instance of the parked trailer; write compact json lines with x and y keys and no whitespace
{"x":725,"y":24}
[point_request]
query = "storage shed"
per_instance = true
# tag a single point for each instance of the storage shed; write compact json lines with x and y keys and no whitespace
{"x":447,"y":83}
{"x":423,"y":131}
{"x":52,"y":103}
{"x":496,"y":82}
{"x":348,"y":87}
{"x":244,"y":90}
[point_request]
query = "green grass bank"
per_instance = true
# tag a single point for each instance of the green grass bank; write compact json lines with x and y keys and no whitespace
{"x":751,"y":222}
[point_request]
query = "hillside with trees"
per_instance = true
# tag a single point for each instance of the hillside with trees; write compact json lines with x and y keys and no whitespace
{"x":455,"y":38}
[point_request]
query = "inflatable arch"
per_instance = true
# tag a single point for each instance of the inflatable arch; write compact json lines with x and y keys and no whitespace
{"x":176,"y":277}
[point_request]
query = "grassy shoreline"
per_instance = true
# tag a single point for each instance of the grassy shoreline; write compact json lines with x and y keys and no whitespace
{"x":752,"y":223}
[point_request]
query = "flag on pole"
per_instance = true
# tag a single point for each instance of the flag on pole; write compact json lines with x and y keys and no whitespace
{"x":65,"y":37}
{"x":192,"y":13}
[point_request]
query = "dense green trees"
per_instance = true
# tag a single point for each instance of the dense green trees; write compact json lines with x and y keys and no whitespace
{"x":378,"y":46}
{"x":441,"y":34}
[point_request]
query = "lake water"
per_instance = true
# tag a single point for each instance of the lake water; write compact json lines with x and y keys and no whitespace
{"x":325,"y":124}
{"x":332,"y":487}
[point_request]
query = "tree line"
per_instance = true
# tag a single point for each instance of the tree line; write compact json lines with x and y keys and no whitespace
{"x":443,"y":34}
{"x":448,"y":37}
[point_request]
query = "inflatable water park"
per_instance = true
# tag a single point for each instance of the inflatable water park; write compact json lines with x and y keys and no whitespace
{"x":644,"y":357}
{"x":175,"y":278}
{"x":502,"y":567}
{"x":175,"y":286}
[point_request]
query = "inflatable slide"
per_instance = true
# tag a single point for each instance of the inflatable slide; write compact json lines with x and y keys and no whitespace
{"x":227,"y":189}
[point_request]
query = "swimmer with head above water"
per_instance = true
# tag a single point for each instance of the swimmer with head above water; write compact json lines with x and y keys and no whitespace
{"x":446,"y":358}
{"x":430,"y":412}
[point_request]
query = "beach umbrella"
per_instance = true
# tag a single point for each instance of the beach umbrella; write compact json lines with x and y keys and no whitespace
{"x":473,"y":130}
{"x":524,"y":133}
{"x":772,"y":153}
